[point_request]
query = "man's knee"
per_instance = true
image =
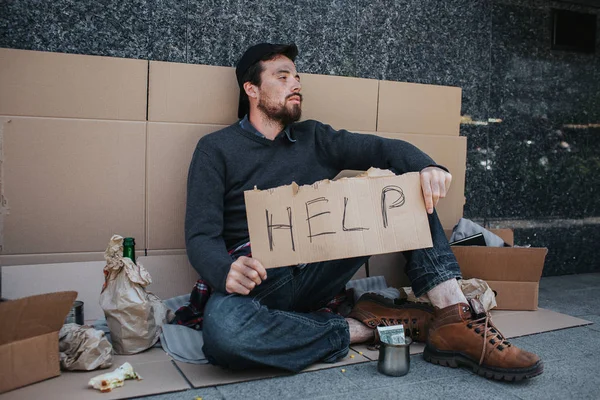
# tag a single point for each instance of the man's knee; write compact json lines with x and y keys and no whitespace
{"x":224,"y":320}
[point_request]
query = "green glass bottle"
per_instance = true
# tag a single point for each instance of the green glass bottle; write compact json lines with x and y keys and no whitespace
{"x":129,"y":248}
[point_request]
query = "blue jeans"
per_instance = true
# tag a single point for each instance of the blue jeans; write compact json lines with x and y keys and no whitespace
{"x":277,"y":324}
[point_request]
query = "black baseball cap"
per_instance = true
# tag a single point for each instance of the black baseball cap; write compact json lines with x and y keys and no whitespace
{"x":254,"y":54}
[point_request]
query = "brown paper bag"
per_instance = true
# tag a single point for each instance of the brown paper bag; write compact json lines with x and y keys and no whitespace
{"x":134,"y":316}
{"x":83,"y":348}
{"x":472,"y":289}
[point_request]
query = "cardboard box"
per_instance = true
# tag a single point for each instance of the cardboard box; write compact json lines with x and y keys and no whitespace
{"x":512,"y":272}
{"x":29,"y":338}
{"x":328,"y":220}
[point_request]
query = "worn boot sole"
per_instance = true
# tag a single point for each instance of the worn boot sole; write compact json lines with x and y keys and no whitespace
{"x":455,"y":360}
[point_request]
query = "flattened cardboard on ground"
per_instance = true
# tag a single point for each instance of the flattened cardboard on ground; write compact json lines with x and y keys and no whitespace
{"x":170,"y":150}
{"x":337,"y":219}
{"x":191,"y":93}
{"x":416,"y":108}
{"x":29,"y":338}
{"x":70,"y":184}
{"x":159,"y":375}
{"x":44,"y":84}
{"x":342,"y":102}
{"x":202,"y":375}
{"x":520,"y":323}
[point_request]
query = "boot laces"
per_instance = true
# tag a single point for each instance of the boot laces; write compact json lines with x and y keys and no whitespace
{"x":488,"y":331}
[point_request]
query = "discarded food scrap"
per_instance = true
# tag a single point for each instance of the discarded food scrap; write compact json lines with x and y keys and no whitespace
{"x":109,"y":381}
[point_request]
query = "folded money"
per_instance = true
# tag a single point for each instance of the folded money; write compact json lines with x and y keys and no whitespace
{"x":393,"y":334}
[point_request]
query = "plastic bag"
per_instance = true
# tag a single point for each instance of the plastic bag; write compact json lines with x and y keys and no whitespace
{"x":83,"y":348}
{"x":134,"y":316}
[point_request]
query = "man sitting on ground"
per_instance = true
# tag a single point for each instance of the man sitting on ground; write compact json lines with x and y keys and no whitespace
{"x":258,"y":318}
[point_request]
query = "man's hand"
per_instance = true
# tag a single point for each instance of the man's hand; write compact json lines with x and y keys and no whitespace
{"x":245,"y":274}
{"x":435,"y":183}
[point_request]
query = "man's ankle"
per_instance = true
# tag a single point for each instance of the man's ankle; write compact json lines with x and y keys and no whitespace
{"x":359,"y":332}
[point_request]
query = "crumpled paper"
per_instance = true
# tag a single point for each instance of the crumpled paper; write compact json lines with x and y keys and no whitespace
{"x":472,"y":288}
{"x":134,"y":315}
{"x":83,"y":348}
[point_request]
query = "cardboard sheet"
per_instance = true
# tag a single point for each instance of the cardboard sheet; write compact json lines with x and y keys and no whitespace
{"x":339,"y":101}
{"x":85,"y":183}
{"x":172,"y":276}
{"x":45,"y":84}
{"x":159,"y":373}
{"x":209,"y":375}
{"x":520,"y":323}
{"x":170,"y":150}
{"x":416,"y":108}
{"x":207,"y":94}
{"x":337,"y":219}
{"x":192,"y":93}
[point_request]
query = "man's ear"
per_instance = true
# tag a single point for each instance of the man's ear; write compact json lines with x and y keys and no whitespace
{"x":250,"y":89}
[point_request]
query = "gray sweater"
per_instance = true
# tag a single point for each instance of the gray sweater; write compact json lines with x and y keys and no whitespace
{"x":232,"y":160}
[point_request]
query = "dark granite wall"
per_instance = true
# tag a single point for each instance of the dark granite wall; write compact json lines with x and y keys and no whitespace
{"x":538,"y":170}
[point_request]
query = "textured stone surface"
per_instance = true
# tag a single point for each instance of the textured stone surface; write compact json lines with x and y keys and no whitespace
{"x":324,"y":31}
{"x":439,"y":43}
{"x":168,"y":33}
{"x":541,"y":166}
{"x":117,"y":28}
{"x":477,"y":195}
{"x":539,"y":163}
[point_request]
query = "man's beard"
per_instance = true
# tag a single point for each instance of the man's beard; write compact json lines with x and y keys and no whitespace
{"x":282,"y":114}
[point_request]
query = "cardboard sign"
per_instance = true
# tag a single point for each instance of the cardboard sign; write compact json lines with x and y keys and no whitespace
{"x":330,"y":220}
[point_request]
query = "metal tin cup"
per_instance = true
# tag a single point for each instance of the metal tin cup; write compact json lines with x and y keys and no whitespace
{"x":394,"y":359}
{"x":75,"y":315}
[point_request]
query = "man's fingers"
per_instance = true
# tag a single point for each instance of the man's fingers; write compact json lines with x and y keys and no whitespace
{"x":251,"y":274}
{"x":255,"y":265}
{"x":448,"y":180}
{"x":238,"y":283}
{"x":244,"y":275}
{"x":427,"y":195}
{"x":235,"y":287}
{"x":435,"y":183}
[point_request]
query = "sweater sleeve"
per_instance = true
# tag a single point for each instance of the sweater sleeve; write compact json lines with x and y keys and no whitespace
{"x":205,"y":245}
{"x":361,"y":151}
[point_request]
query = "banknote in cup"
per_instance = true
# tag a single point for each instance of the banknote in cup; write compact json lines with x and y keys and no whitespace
{"x":393,"y":334}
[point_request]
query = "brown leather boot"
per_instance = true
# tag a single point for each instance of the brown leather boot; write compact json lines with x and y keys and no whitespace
{"x":374,"y":310}
{"x":461,"y":337}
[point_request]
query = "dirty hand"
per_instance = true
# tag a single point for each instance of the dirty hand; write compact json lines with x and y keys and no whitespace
{"x":435,"y":183}
{"x":245,"y":273}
